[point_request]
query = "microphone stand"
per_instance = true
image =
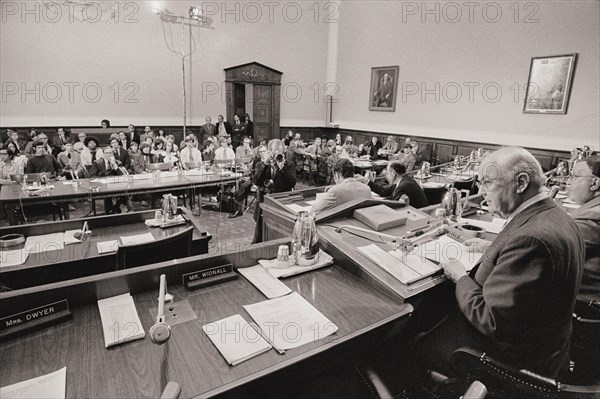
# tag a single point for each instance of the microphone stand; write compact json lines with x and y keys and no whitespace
{"x":160,"y":332}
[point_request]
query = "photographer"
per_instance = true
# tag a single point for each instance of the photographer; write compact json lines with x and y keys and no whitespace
{"x":272,"y":174}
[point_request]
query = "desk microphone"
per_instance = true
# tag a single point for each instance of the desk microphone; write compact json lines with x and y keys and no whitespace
{"x":160,"y":332}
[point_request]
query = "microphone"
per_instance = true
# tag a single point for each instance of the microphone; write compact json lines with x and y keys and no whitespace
{"x":160,"y":332}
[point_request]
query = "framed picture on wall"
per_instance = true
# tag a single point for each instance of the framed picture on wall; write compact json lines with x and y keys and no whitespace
{"x":384,"y":86}
{"x":549,"y":84}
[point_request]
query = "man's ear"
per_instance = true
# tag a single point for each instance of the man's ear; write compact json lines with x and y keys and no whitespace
{"x":522,"y":179}
{"x":595,"y":184}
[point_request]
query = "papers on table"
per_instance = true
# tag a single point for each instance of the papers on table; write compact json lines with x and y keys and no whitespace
{"x":137,"y":239}
{"x":70,"y":237}
{"x":495,"y":226}
{"x":236,"y":339}
{"x":444,"y":249}
{"x":105,"y":247}
{"x":46,"y":242}
{"x":120,"y":320}
{"x":13,"y":257}
{"x":290,"y":321}
{"x":281,"y":269}
{"x":299,"y":208}
{"x":51,"y":385}
{"x":264,"y":281}
{"x":393,"y":265}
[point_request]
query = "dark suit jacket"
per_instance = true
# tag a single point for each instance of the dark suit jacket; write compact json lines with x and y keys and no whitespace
{"x":407,"y":186}
{"x":587,"y":218}
{"x":99,"y":169}
{"x":136,"y":137}
{"x":206,"y":132}
{"x":123,"y":157}
{"x":227,"y":127}
{"x":283,"y":180}
{"x":523,"y":293}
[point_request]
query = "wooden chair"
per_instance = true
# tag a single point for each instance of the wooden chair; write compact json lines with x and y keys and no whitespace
{"x":434,"y":195}
{"x":173,"y":247}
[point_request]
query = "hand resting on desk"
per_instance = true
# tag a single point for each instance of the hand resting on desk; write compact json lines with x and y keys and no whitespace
{"x":454,"y":270}
{"x":477,"y":245}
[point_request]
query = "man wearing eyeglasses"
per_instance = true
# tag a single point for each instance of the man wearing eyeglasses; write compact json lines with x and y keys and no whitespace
{"x":585,"y":191}
{"x":516,"y":304}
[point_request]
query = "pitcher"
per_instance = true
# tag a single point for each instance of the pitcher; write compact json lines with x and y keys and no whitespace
{"x":453,"y":202}
{"x":305,"y":241}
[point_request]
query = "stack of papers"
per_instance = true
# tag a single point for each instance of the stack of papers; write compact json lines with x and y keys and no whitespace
{"x":445,"y":249}
{"x":120,"y":320}
{"x":236,"y":339}
{"x":46,"y":242}
{"x":264,"y":281}
{"x":290,"y":321}
{"x":106,"y":247}
{"x":51,"y":385}
{"x":405,"y":268}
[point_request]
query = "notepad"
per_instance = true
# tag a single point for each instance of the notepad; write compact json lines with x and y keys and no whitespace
{"x":120,"y":320}
{"x":390,"y":264}
{"x":264,"y":281}
{"x":46,"y":242}
{"x":445,"y":249}
{"x":105,"y":247}
{"x":52,"y":385}
{"x":235,"y":339}
{"x":137,"y":239}
{"x":380,"y":217}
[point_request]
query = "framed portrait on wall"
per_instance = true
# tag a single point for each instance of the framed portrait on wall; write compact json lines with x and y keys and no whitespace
{"x":549,"y":84}
{"x":384,"y":86}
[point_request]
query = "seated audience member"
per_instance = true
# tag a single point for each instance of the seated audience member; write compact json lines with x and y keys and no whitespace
{"x":406,"y":157}
{"x":347,"y":188}
{"x":171,"y":138}
{"x":147,"y":134}
{"x":121,"y":154}
{"x":208,"y":154}
{"x":8,"y":166}
{"x":13,"y":137}
{"x":70,"y":162}
{"x":208,"y":129}
{"x":398,"y":183}
{"x":194,"y":139}
{"x":338,"y":139}
{"x":288,"y":138}
{"x":333,"y":158}
{"x":313,"y":155}
{"x":272,"y":174}
{"x":42,"y":162}
{"x":91,"y":152}
{"x":123,"y":141}
{"x":224,"y":153}
{"x":161,"y":134}
{"x":417,"y":153}
{"x":328,"y":149}
{"x":132,"y":135}
{"x":105,"y":123}
{"x":349,"y":147}
{"x":517,"y":304}
{"x":296,"y":151}
{"x":190,"y":154}
{"x":158,"y":151}
{"x":262,"y":141}
{"x":372,"y":147}
{"x":170,"y":156}
{"x":390,"y":147}
{"x":138,"y":160}
{"x":16,"y":156}
{"x":223,"y":128}
{"x":585,"y":191}
{"x":145,"y":150}
{"x":59,"y":141}
{"x":107,"y":166}
{"x":244,"y":151}
{"x":30,"y":150}
{"x":81,"y":137}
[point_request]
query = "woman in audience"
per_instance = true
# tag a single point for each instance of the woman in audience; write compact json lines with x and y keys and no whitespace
{"x":171,"y":138}
{"x":146,"y":149}
{"x":70,"y":161}
{"x":105,"y":123}
{"x":91,"y":152}
{"x":349,"y":147}
{"x":138,"y":160}
{"x":338,"y":139}
{"x":288,"y":138}
{"x":170,"y":155}
{"x":158,"y":151}
{"x":20,"y":159}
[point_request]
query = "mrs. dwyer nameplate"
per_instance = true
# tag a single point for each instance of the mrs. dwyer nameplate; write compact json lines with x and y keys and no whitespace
{"x":34,"y":318}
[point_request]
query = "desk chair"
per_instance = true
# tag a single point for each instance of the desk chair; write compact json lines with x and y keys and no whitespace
{"x":173,"y":247}
{"x":434,"y":195}
{"x":54,"y":209}
{"x":504,"y":381}
{"x":585,"y":343}
{"x":466,"y":185}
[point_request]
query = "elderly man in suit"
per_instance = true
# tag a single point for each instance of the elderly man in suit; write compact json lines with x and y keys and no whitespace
{"x":585,"y":191}
{"x":207,"y":130}
{"x":516,"y":304}
{"x":399,"y":184}
{"x":347,"y":188}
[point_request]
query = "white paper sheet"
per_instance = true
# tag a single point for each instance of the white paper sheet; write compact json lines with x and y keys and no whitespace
{"x":105,"y":247}
{"x":52,"y":385}
{"x":235,"y":339}
{"x":290,"y":321}
{"x":46,"y":242}
{"x":120,"y":320}
{"x":137,"y":239}
{"x":70,"y":237}
{"x":444,"y":249}
{"x":264,"y":281}
{"x":387,"y":262}
{"x":13,"y":257}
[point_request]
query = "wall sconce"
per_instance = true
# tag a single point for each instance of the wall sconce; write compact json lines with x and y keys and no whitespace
{"x":196,"y":13}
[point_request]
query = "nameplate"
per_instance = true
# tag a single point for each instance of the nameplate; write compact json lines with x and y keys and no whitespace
{"x":207,"y":277}
{"x":34,"y":318}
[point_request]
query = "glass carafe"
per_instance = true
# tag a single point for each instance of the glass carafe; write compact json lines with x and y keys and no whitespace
{"x":305,"y":240}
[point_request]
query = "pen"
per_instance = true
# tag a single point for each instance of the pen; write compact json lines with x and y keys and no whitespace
{"x":264,"y":336}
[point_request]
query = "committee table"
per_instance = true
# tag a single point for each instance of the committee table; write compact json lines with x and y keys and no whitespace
{"x":142,"y":369}
{"x":63,"y":192}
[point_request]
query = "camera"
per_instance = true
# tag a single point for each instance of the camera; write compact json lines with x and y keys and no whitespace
{"x":279,"y":158}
